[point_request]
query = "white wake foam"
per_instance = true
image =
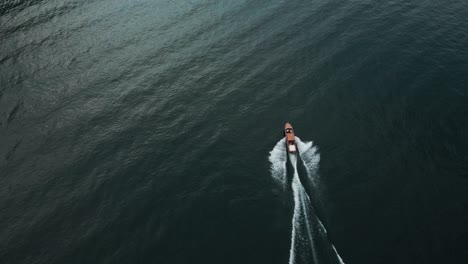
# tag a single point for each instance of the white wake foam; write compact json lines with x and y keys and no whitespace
{"x":310,"y":158}
{"x":307,"y":229}
{"x":302,"y":248}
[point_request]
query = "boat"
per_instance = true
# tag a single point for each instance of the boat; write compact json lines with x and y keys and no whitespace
{"x":290,"y":139}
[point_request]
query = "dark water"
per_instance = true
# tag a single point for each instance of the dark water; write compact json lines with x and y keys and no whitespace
{"x":139,"y":131}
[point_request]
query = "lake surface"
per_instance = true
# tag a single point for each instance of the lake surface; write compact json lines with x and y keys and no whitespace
{"x":142,"y":131}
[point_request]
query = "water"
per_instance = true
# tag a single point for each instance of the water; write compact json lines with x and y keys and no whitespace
{"x":309,"y":240}
{"x":140,"y":131}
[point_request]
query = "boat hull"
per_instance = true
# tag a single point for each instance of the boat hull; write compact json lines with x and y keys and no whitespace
{"x":291,"y":146}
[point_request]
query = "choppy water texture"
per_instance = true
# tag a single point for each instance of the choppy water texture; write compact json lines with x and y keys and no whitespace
{"x":139,"y":131}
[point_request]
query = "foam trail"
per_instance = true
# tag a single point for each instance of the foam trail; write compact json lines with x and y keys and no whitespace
{"x":310,"y":158}
{"x":302,"y":248}
{"x":309,"y":240}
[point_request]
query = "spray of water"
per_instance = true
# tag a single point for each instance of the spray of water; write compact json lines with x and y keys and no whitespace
{"x":310,"y":158}
{"x":309,"y":240}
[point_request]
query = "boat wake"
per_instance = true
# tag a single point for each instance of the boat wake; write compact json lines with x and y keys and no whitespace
{"x":309,"y":240}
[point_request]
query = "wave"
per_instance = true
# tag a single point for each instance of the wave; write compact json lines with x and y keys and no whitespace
{"x":309,"y":239}
{"x":310,"y":157}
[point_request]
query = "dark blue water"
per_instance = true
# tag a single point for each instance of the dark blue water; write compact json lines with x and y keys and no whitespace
{"x":140,"y":131}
